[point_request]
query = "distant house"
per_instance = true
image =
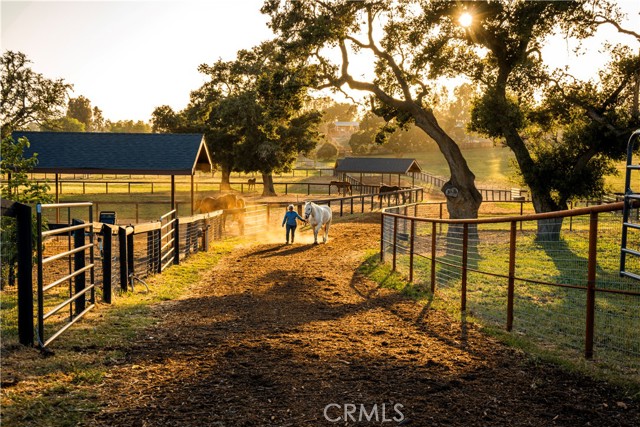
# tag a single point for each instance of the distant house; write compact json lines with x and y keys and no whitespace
{"x":346,"y":127}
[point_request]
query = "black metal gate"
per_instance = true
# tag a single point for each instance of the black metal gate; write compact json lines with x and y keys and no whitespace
{"x":67,"y":266}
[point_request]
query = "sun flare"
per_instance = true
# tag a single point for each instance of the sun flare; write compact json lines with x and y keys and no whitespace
{"x":465,"y":19}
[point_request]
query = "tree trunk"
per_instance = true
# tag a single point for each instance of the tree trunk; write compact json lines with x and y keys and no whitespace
{"x":225,"y":184}
{"x":548,"y":229}
{"x":463,"y":198}
{"x":267,"y":181}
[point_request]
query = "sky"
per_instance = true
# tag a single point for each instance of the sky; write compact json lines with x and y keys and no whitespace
{"x":129,"y":57}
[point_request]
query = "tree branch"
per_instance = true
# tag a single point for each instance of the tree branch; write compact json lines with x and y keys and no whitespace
{"x":346,"y":78}
{"x":400,"y":77}
{"x":605,"y":20}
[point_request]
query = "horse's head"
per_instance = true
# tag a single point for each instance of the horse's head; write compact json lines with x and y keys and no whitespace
{"x":307,"y":210}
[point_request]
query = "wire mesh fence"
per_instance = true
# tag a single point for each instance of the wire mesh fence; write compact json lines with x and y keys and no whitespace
{"x":554,"y":280}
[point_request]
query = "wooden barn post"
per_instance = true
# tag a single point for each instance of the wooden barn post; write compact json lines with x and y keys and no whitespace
{"x":57,"y":198}
{"x":192,"y":205}
{"x":173,"y":192}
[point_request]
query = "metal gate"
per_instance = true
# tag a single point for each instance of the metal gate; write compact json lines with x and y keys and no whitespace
{"x":70,"y":264}
{"x":631,"y":199}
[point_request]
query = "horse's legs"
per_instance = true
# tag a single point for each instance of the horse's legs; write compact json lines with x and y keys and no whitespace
{"x":326,"y":232}
{"x":315,"y":233}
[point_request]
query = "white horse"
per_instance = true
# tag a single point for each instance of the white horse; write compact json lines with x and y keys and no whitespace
{"x":318,"y":216}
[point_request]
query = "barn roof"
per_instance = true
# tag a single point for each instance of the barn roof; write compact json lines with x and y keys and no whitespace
{"x":125,"y":153}
{"x":377,"y":165}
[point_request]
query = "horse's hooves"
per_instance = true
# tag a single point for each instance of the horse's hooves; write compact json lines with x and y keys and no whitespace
{"x":315,"y":243}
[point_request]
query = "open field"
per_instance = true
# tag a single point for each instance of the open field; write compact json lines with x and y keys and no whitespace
{"x":493,"y":167}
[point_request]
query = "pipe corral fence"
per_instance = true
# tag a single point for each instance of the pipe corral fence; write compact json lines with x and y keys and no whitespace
{"x":81,"y":262}
{"x":561,"y":288}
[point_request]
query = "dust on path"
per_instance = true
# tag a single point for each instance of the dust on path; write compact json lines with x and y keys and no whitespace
{"x":276,"y":333}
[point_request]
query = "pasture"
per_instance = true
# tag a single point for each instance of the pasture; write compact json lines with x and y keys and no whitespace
{"x":493,"y":167}
{"x":258,"y":333}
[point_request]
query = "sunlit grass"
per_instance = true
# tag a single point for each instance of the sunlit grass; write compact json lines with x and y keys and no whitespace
{"x":549,"y":321}
{"x":61,"y":390}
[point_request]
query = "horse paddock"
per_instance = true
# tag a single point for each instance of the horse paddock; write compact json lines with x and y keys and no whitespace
{"x":292,"y":335}
{"x":298,"y":335}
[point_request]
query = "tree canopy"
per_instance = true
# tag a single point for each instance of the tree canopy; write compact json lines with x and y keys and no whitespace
{"x":321,"y":31}
{"x":252,"y":111}
{"x":26,"y":97}
{"x":80,"y":109}
{"x":418,"y":43}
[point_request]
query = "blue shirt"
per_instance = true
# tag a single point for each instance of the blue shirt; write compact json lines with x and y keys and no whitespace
{"x":290,"y":218}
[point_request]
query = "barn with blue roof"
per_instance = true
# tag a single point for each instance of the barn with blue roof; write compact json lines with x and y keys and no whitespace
{"x":118,"y":153}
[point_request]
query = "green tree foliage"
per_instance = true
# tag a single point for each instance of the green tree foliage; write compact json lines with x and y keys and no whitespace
{"x":98,"y":123}
{"x":327,"y":151}
{"x":332,"y":112}
{"x":454,"y":112}
{"x":80,"y":109}
{"x":402,"y":88}
{"x":252,"y":112}
{"x":273,"y":123}
{"x":127,"y":126}
{"x":64,"y":124}
{"x":399,"y":141}
{"x":501,"y":53}
{"x":26,"y":97}
{"x":16,"y":186}
{"x":562,"y":131}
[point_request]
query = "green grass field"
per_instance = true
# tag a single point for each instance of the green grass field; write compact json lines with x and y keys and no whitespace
{"x":494,"y":167}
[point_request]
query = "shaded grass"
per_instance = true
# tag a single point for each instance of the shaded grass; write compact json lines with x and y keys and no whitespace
{"x":60,"y":390}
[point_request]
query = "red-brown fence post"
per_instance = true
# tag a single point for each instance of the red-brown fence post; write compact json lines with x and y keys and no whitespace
{"x":411,"y":246}
{"x":433,"y":257}
{"x":512,"y":270}
{"x":591,"y":285}
{"x":395,"y":241}
{"x":382,"y":238}
{"x":465,"y":247}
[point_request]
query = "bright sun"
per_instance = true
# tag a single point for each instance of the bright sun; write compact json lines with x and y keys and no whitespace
{"x":465,"y":19}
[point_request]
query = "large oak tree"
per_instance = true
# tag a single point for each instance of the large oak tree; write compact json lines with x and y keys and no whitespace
{"x":415,"y":43}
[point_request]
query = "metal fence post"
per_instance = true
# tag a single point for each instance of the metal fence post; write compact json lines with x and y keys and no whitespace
{"x":130,"y":251}
{"x":465,"y":247}
{"x":433,"y":257}
{"x":411,"y":246}
{"x":124,"y":265}
{"x":205,"y":236}
{"x":157,"y":239}
{"x":176,"y":242}
{"x":591,"y":285}
{"x":25,"y":279}
{"x":150,"y":250}
{"x":382,"y":236}
{"x":395,"y":241}
{"x":40,"y":335}
{"x":512,"y":270}
{"x":79,"y":262}
{"x":106,"y":263}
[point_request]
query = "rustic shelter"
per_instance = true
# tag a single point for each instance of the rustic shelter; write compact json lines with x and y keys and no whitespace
{"x":118,"y":153}
{"x":377,"y":165}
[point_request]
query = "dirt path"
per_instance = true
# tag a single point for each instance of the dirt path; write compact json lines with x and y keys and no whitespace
{"x":276,"y":333}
